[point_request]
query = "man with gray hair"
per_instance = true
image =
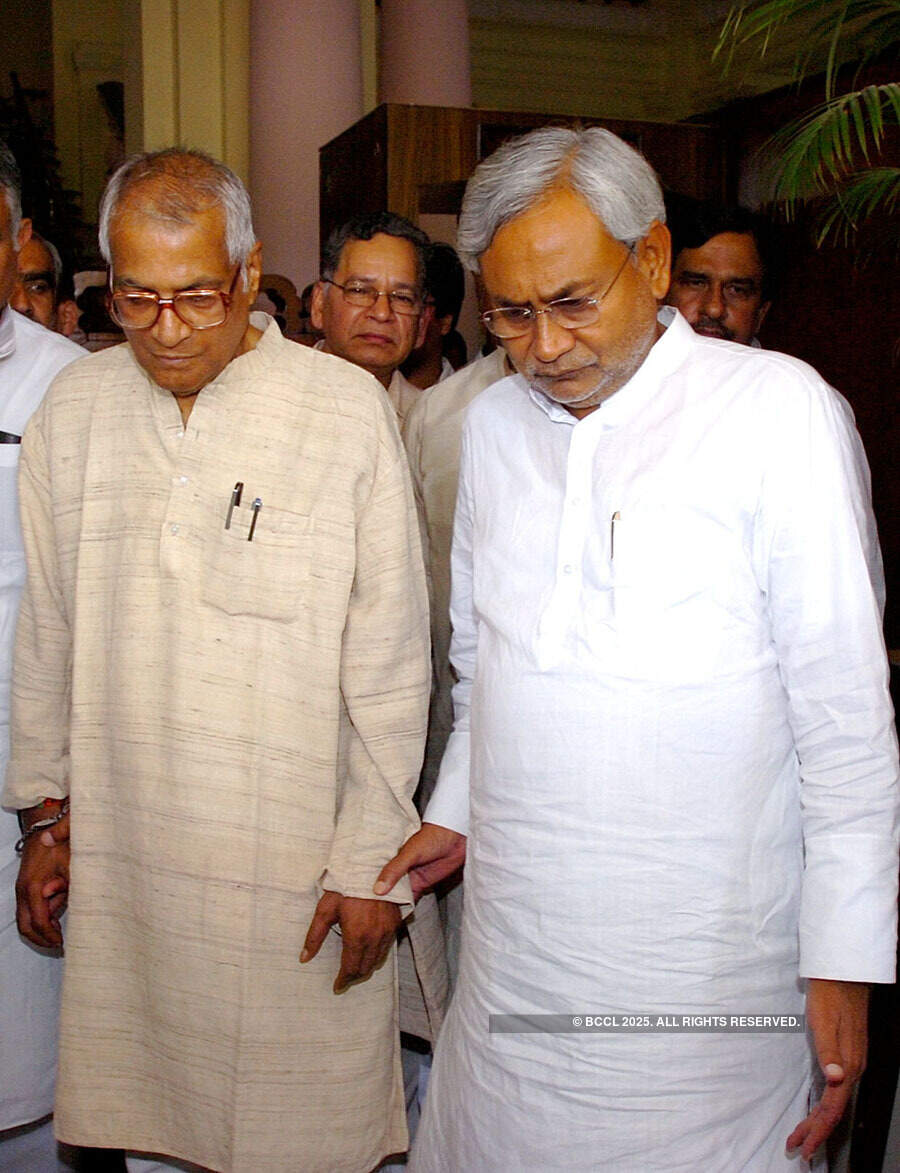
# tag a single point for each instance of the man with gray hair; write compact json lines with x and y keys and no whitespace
{"x":369,"y":302}
{"x":222,"y":665}
{"x":30,"y":357}
{"x":673,"y":756}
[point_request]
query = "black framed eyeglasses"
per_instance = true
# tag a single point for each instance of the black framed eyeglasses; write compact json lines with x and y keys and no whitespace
{"x":572,"y":313}
{"x":401,"y":301}
{"x":201,"y":309}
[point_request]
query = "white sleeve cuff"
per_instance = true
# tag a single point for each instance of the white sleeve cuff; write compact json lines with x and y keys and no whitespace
{"x":449,"y":804}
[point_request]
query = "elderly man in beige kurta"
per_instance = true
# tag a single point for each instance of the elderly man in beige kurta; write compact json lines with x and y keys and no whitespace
{"x":231,"y":686}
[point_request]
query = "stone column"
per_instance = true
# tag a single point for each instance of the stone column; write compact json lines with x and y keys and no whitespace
{"x":305,"y":88}
{"x":186,"y":76}
{"x":425,"y":53}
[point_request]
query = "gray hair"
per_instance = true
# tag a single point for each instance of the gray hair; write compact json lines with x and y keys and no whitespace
{"x":614,"y":180}
{"x":11,"y":182}
{"x":174,"y":185}
{"x":366,"y":225}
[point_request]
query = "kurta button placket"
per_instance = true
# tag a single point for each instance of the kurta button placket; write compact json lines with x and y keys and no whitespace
{"x":177,"y":524}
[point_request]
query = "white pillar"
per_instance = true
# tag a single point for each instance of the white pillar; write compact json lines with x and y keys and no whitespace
{"x":425,"y":52}
{"x":305,"y":88}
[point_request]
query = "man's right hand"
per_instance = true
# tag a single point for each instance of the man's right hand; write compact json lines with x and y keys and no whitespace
{"x":43,"y":885}
{"x":431,"y":855}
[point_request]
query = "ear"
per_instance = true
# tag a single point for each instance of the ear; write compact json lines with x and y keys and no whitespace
{"x":67,"y":315}
{"x":424,"y":321}
{"x":654,"y":258}
{"x":254,"y":272}
{"x":446,"y":324}
{"x":761,"y":315}
{"x":24,"y":234}
{"x":317,"y":306}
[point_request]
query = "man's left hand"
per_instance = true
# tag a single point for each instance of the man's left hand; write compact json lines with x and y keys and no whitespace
{"x":837,"y":1015}
{"x":368,"y":928}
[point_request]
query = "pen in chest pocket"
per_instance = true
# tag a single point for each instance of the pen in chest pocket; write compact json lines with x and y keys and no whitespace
{"x":234,"y":502}
{"x":257,"y":505}
{"x":616,"y":517}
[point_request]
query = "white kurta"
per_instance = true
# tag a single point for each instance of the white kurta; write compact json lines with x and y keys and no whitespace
{"x":431,"y":432}
{"x":29,"y":983}
{"x":673,"y":703}
{"x":240,"y":723}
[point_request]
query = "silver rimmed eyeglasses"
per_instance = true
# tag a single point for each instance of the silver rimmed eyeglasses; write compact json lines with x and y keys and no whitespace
{"x":401,"y":301}
{"x":572,"y":313}
{"x":201,"y":309}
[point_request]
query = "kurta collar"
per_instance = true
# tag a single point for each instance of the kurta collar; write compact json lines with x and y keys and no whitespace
{"x":7,"y":333}
{"x":261,"y":357}
{"x":252,"y":363}
{"x":666,"y":354}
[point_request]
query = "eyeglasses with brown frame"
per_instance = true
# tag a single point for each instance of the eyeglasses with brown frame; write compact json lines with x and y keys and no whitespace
{"x":139,"y":309}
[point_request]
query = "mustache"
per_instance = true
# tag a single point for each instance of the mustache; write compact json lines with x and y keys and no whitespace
{"x":716,"y":326}
{"x":533,"y":371}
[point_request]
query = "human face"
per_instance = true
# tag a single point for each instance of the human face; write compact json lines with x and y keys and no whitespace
{"x":164,"y":258}
{"x":558,"y":248}
{"x":34,"y":294}
{"x":718,"y":287}
{"x":373,"y":337}
{"x":9,"y":247}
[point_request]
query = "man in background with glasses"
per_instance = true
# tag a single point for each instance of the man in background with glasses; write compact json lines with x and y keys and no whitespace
{"x":370,"y":300}
{"x":370,"y":306}
{"x":223,"y":666}
{"x":673,"y":767}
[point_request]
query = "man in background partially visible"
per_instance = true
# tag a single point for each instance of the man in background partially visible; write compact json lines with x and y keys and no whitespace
{"x":369,"y":302}
{"x":445,"y":289}
{"x":726,"y":266}
{"x":30,"y":356}
{"x":38,"y":289}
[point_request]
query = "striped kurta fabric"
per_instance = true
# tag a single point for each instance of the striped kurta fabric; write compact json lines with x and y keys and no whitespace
{"x":240,"y":724}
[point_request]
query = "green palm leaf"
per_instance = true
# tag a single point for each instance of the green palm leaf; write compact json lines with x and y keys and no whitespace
{"x":844,"y":29}
{"x":826,"y":153}
{"x":828,"y":141}
{"x":859,"y":198}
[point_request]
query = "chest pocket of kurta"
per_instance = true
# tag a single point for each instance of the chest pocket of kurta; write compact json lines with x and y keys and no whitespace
{"x":265,"y":576}
{"x":663,"y":577}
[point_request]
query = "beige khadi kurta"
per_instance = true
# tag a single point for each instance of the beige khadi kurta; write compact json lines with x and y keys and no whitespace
{"x":245,"y":722}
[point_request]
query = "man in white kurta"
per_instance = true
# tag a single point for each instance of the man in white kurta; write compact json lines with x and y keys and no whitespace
{"x":30,"y":356}
{"x":431,"y":436}
{"x":231,"y":686}
{"x":673,"y":755}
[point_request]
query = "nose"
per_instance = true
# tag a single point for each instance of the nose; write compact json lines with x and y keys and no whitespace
{"x":169,"y":329}
{"x":714,"y":302}
{"x":382,"y":309}
{"x":549,"y":339}
{"x":19,"y":300}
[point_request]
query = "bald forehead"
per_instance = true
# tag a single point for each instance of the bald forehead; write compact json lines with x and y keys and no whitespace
{"x":166,"y":199}
{"x":138,"y":213}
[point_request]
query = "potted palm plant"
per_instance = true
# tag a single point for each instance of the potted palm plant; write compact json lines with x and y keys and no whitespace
{"x":830,"y":156}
